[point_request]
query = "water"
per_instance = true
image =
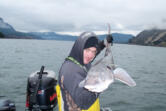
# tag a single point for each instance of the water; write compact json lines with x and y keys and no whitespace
{"x":147,"y":65}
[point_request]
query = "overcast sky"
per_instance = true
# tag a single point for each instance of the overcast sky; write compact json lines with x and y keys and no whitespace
{"x":128,"y":16}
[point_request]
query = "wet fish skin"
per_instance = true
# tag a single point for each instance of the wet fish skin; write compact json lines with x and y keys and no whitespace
{"x":99,"y":78}
{"x":103,"y":73}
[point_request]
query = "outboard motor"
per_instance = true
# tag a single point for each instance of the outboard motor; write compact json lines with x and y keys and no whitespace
{"x":7,"y":105}
{"x":41,"y":93}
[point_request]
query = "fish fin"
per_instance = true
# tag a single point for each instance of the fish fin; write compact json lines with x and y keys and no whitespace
{"x":121,"y":75}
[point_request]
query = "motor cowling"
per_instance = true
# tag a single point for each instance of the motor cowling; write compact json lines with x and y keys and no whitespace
{"x":7,"y":105}
{"x":41,"y":92}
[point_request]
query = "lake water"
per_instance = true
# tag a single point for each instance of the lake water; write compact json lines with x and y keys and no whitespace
{"x":147,"y":65}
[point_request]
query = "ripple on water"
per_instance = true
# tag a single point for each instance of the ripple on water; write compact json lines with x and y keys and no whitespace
{"x":154,"y":107}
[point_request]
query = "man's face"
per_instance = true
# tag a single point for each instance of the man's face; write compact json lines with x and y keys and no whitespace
{"x":89,"y":54}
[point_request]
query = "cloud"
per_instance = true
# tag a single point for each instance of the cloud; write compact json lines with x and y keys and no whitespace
{"x":81,"y":15}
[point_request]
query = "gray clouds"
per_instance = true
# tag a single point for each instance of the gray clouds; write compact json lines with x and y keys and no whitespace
{"x":81,"y":15}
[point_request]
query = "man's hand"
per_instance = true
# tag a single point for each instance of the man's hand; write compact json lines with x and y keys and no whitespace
{"x":105,"y":42}
{"x":109,"y":38}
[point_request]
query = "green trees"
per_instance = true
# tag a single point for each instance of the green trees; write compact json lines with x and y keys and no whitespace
{"x":2,"y":35}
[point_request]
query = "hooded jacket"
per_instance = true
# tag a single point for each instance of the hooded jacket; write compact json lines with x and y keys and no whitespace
{"x":71,"y":74}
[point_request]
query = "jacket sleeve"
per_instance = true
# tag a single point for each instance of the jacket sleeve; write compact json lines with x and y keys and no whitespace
{"x":81,"y":96}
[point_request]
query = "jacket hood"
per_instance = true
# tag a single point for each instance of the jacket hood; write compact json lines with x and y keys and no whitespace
{"x":78,"y":47}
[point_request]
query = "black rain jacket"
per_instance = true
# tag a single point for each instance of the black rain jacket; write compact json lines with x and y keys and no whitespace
{"x":71,"y":74}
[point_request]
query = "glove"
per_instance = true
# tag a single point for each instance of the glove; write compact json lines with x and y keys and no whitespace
{"x":109,"y":38}
{"x":103,"y":43}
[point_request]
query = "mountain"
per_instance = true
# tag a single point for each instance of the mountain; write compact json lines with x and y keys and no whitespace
{"x":10,"y":32}
{"x":118,"y":37}
{"x":5,"y":27}
{"x":153,"y":37}
{"x":54,"y":36}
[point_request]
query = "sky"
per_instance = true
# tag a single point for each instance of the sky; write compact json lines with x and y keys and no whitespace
{"x":74,"y":16}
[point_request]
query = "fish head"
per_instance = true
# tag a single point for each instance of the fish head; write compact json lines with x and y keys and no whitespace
{"x":99,"y":79}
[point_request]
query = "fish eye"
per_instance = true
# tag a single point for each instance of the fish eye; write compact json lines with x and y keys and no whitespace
{"x":109,"y":67}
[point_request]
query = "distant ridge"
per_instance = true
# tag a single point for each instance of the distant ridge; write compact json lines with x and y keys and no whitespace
{"x":118,"y":37}
{"x":54,"y":36}
{"x":5,"y":27}
{"x":153,"y":37}
{"x":10,"y":32}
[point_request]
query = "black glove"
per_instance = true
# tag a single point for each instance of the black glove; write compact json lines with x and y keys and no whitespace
{"x":109,"y":38}
{"x":102,"y":44}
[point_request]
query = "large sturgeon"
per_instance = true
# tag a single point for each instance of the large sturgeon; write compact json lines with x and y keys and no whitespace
{"x":104,"y":72}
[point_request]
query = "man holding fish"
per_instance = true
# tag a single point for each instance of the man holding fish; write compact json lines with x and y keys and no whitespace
{"x":74,"y":70}
{"x":80,"y":83}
